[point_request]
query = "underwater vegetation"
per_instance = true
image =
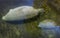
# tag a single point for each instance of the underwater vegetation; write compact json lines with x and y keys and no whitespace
{"x":29,"y":29}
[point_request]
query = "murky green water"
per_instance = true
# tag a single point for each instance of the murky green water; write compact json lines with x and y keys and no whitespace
{"x":29,"y":29}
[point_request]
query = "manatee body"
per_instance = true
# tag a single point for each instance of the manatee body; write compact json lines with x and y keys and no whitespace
{"x":22,"y":12}
{"x":49,"y":29}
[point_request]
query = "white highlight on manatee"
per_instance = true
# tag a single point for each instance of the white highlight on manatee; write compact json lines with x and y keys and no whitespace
{"x":22,"y":12}
{"x":47,"y":24}
{"x":3,"y":17}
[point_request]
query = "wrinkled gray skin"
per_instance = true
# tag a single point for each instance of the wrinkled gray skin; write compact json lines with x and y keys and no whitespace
{"x":22,"y":12}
